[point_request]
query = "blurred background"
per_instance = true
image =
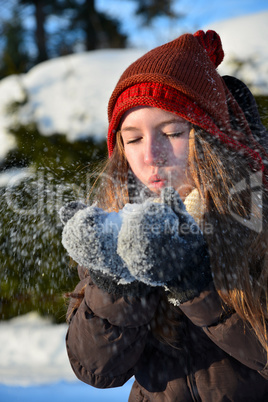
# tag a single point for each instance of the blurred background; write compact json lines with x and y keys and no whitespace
{"x":59,"y":62}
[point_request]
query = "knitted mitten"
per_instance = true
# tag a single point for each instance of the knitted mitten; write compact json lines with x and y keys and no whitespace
{"x":90,"y":237}
{"x":143,"y":245}
{"x":162,"y":245}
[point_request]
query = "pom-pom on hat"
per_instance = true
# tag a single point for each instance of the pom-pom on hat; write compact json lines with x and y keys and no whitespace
{"x":181,"y":77}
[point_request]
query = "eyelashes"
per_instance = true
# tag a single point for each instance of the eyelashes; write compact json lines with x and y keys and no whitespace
{"x":166,"y":135}
{"x":172,"y":135}
{"x":133,"y":141}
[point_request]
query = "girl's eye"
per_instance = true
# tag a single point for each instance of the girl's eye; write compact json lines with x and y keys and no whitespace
{"x":133,"y":141}
{"x":172,"y":135}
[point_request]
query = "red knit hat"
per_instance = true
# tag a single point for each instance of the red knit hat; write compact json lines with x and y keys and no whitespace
{"x":181,"y":77}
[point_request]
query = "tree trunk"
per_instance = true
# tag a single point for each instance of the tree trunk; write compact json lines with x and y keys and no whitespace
{"x":40,"y":34}
{"x":91,"y":26}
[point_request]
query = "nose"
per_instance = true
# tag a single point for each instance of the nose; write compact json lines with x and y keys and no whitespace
{"x":154,"y":154}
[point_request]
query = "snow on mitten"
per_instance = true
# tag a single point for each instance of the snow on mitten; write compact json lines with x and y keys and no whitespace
{"x":90,"y":237}
{"x":147,"y":240}
{"x":68,"y":211}
{"x":161,"y":243}
{"x":189,"y":282}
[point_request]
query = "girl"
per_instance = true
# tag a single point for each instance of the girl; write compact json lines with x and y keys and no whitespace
{"x":173,"y":256}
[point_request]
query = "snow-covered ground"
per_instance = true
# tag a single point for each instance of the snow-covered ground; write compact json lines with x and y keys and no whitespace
{"x":34,"y":351}
{"x":34,"y":365}
{"x":69,"y":95}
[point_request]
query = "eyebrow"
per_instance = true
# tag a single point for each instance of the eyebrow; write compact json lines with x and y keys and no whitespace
{"x":162,"y":124}
{"x":129,"y":128}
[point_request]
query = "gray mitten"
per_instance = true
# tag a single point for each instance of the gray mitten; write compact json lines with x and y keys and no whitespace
{"x":68,"y":211}
{"x":90,"y":237}
{"x":148,"y":242}
{"x":162,"y":245}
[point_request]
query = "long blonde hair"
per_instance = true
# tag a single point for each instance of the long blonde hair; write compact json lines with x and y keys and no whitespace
{"x":238,"y":253}
{"x":238,"y":250}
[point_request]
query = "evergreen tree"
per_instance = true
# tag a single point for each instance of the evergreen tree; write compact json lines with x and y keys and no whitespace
{"x":96,"y":28}
{"x":14,"y":58}
{"x":150,"y":9}
{"x":42,"y":9}
{"x":78,"y":23}
{"x":82,"y":22}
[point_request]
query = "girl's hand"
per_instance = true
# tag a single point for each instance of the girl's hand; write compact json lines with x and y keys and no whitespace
{"x":161,"y":241}
{"x":90,"y":237}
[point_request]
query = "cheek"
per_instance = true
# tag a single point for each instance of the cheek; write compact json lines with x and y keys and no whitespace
{"x":133,"y":157}
{"x":135,"y":161}
{"x":130,"y":158}
{"x":180,"y":154}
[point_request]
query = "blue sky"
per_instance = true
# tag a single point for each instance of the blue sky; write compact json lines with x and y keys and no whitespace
{"x":198,"y":14}
{"x":202,"y":12}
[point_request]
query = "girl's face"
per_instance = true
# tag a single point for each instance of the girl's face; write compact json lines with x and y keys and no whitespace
{"x":156,"y":144}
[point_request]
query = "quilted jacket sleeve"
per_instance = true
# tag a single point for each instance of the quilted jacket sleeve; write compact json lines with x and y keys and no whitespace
{"x":107,"y":334}
{"x":226,"y":329}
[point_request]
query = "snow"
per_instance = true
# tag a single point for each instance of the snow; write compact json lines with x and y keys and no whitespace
{"x":66,"y":95}
{"x":86,"y":233}
{"x":10,"y":91}
{"x":69,"y":95}
{"x":244,"y":39}
{"x":14,"y":176}
{"x":34,"y":351}
{"x":34,"y":365}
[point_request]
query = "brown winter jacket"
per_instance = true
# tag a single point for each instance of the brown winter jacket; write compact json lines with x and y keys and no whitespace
{"x":217,"y":359}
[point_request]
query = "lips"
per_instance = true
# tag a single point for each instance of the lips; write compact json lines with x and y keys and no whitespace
{"x":155,"y":178}
{"x":156,"y":181}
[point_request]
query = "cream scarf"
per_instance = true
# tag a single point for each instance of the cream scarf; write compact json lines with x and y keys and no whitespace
{"x":194,"y":206}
